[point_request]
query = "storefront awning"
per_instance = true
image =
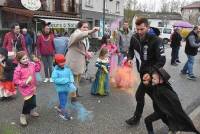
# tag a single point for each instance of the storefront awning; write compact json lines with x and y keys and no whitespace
{"x":58,"y":23}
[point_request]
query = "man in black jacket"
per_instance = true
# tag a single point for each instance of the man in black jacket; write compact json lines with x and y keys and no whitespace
{"x":175,"y":45}
{"x":191,"y":49}
{"x":149,"y":53}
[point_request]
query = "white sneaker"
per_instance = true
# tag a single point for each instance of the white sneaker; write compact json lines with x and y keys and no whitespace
{"x":34,"y":113}
{"x":46,"y":80}
{"x":23,"y":120}
{"x":51,"y":80}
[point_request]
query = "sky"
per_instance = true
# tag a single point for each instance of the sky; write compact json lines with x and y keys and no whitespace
{"x":155,"y":4}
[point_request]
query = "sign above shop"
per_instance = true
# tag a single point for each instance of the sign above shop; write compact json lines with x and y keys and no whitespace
{"x":56,"y":23}
{"x":31,"y":4}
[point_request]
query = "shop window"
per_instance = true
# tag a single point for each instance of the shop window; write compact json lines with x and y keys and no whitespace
{"x":97,"y":23}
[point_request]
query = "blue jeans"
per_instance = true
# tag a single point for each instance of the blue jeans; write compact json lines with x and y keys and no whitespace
{"x":188,"y":67}
{"x":63,"y":97}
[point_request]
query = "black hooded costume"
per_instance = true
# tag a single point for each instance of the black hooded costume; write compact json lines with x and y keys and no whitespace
{"x":167,"y":107}
{"x":9,"y":68}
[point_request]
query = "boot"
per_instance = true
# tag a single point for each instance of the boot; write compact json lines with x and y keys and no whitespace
{"x":133,"y":120}
{"x":23,"y":120}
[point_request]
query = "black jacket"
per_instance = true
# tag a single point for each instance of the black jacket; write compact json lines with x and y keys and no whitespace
{"x":9,"y":70}
{"x":192,"y":49}
{"x":168,"y":106}
{"x":175,"y":39}
{"x":149,"y":53}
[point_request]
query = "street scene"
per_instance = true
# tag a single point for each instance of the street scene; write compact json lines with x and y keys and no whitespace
{"x":109,"y":113}
{"x":99,"y":67}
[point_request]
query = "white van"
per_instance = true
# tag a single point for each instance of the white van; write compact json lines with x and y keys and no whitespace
{"x":165,"y":34}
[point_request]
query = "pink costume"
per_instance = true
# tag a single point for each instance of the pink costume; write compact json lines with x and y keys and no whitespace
{"x":21,"y":74}
{"x":112,"y":49}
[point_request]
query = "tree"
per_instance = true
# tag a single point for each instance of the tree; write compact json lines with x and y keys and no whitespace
{"x":164,"y":6}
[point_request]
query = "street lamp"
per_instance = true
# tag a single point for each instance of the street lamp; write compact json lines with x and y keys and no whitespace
{"x":104,"y":8}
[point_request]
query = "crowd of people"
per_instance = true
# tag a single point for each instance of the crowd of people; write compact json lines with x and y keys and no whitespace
{"x":19,"y":66}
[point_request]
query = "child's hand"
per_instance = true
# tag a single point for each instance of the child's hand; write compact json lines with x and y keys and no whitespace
{"x":104,"y":68}
{"x":28,"y":80}
{"x":146,"y":79}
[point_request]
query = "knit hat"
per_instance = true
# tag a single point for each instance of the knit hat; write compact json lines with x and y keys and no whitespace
{"x":59,"y":58}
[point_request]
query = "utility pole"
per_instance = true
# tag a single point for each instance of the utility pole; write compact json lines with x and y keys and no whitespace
{"x":104,"y":6}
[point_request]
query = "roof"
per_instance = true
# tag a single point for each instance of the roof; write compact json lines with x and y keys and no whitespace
{"x":192,"y":6}
{"x":29,"y":13}
{"x":159,"y":15}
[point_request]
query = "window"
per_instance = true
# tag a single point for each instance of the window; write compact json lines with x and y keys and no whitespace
{"x":97,"y":23}
{"x":167,"y":31}
{"x":106,"y":4}
{"x":117,"y":6}
{"x":58,"y":5}
{"x":160,"y":24}
{"x":89,"y":3}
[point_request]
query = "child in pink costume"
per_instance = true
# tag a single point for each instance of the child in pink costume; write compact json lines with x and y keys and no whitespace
{"x":24,"y":78}
{"x":113,"y":53}
{"x":124,"y":77}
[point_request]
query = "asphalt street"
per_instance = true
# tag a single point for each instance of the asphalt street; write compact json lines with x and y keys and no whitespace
{"x":109,"y":112}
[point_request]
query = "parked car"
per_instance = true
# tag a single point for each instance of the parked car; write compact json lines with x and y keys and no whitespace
{"x":165,"y":34}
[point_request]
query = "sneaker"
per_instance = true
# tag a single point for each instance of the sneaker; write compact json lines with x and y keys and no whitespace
{"x":46,"y":80}
{"x":183,"y":72}
{"x":58,"y":109}
{"x":133,"y":120}
{"x":34,"y":113}
{"x":23,"y":120}
{"x":65,"y":117}
{"x":178,"y":61}
{"x":51,"y":80}
{"x":192,"y":77}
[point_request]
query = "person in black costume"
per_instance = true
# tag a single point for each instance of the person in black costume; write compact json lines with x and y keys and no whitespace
{"x":167,"y":106}
{"x":148,"y":50}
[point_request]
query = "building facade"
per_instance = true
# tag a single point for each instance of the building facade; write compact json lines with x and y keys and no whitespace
{"x":191,"y":13}
{"x":92,"y":11}
{"x":60,"y":13}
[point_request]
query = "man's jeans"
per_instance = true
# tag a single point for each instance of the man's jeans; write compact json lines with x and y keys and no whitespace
{"x":188,"y":67}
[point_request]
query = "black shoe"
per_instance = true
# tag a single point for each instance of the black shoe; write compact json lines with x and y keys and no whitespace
{"x":183,"y":72}
{"x":174,"y":64}
{"x":192,"y":77}
{"x":133,"y":120}
{"x":178,"y":61}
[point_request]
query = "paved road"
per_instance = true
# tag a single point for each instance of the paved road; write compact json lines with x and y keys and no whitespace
{"x":109,"y":114}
